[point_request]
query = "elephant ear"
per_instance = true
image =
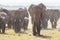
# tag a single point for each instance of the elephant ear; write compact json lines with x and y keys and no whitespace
{"x":42,"y":5}
{"x":3,"y":15}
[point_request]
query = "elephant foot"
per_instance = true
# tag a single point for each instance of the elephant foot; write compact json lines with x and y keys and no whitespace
{"x":39,"y":35}
{"x":34,"y":33}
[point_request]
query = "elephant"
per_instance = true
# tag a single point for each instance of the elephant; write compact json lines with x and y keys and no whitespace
{"x":2,"y":26}
{"x":53,"y":15}
{"x":9,"y":19}
{"x":13,"y":15}
{"x":36,"y":12}
{"x":20,"y":20}
{"x":3,"y":17}
{"x":26,"y":19}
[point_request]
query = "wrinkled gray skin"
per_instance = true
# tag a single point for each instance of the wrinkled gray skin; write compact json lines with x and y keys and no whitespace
{"x":53,"y":15}
{"x":2,"y":26}
{"x":26,"y":19}
{"x":19,"y":21}
{"x":9,"y":19}
{"x":36,"y":12}
{"x":44,"y":19}
{"x":16,"y":18}
{"x":13,"y":15}
{"x":3,"y":17}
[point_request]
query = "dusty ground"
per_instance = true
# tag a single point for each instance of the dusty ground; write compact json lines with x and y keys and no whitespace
{"x":47,"y":35}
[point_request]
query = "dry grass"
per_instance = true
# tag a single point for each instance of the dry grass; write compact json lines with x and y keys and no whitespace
{"x":47,"y":35}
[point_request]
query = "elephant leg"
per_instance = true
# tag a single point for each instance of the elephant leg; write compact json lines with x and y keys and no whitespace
{"x":9,"y":25}
{"x":55,"y":24}
{"x":0,"y":30}
{"x":52,"y":23}
{"x":34,"y":29}
{"x":38,"y":29}
{"x":3,"y":29}
{"x":25,"y":25}
{"x":44,"y":25}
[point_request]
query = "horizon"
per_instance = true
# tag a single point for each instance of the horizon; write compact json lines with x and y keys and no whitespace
{"x":20,"y":3}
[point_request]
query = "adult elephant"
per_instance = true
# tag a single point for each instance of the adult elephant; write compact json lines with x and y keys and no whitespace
{"x":26,"y":18}
{"x":53,"y":15}
{"x":9,"y":19}
{"x":19,"y":20}
{"x":36,"y":12}
{"x":3,"y":17}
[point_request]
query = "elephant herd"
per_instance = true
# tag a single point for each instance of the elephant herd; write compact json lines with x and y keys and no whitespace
{"x":40,"y":16}
{"x":18,"y":19}
{"x":15,"y":19}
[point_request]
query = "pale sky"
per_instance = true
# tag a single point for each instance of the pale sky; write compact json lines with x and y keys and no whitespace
{"x":28,"y":2}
